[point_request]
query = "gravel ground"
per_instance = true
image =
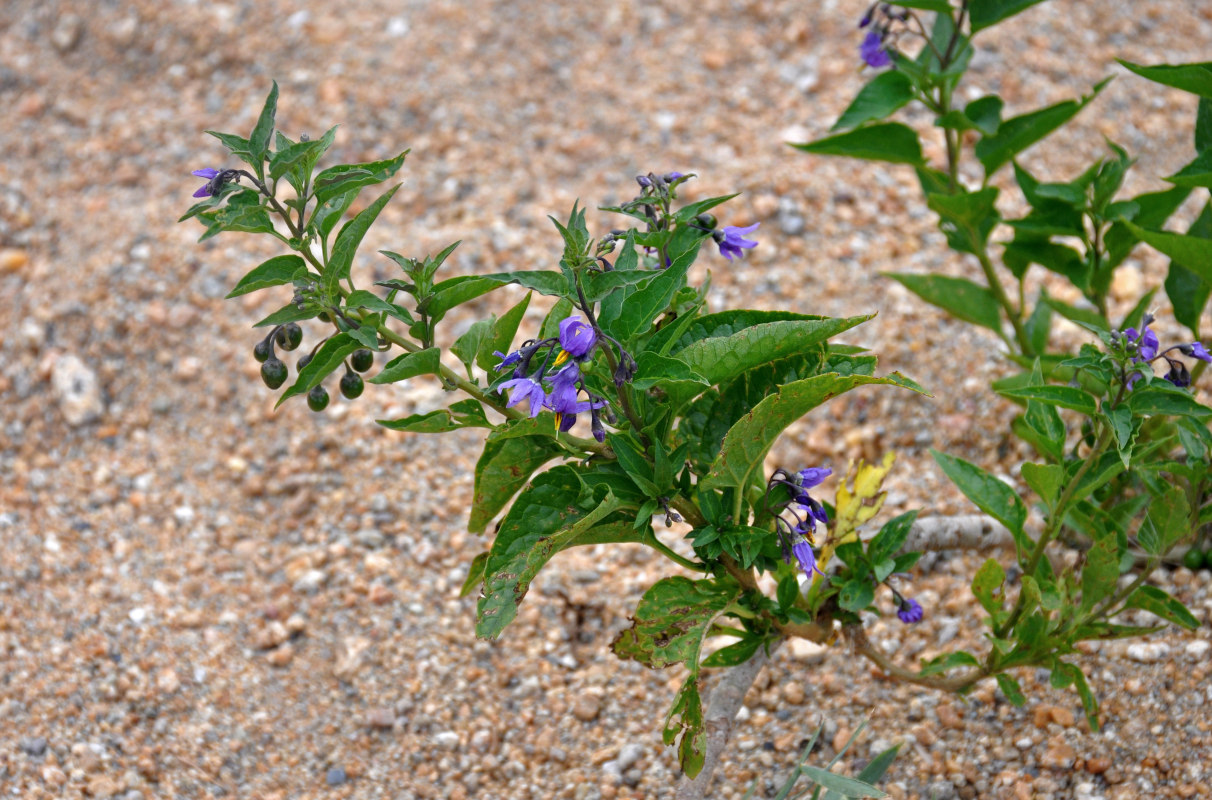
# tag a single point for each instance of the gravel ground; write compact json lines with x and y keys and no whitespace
{"x":200,"y":597}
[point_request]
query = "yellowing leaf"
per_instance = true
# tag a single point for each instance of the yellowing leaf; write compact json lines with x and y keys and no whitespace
{"x":856,"y":506}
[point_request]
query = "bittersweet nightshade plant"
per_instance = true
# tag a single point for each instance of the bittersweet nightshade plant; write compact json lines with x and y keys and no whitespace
{"x":577,"y":337}
{"x":873,"y":51}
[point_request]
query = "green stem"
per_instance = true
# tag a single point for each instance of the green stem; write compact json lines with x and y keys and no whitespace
{"x":652,"y":541}
{"x":999,"y":294}
{"x":1055,"y":521}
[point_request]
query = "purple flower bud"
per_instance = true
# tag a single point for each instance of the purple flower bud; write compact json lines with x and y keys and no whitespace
{"x":802,"y":550}
{"x":1147,"y":343}
{"x":813,"y":476}
{"x":507,"y":360}
{"x":577,"y":338}
{"x":732,"y":242}
{"x":910,"y":611}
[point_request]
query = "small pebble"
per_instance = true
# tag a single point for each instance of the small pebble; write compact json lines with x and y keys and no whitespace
{"x":335,"y":776}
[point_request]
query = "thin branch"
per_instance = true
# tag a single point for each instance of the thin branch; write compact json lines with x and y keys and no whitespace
{"x":862,"y":645}
{"x":725,"y":702}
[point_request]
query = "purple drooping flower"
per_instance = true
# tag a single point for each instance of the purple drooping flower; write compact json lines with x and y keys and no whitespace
{"x":207,"y":188}
{"x":563,"y":398}
{"x":813,"y":476}
{"x":732,"y":242}
{"x":802,"y":550}
{"x":507,"y":360}
{"x":1197,"y":350}
{"x":524,"y":389}
{"x":577,"y":338}
{"x":873,"y":52}
{"x":910,"y":611}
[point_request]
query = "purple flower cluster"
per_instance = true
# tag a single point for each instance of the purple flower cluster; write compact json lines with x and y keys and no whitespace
{"x":877,"y":46}
{"x":1144,"y":347}
{"x":798,"y":513}
{"x":557,"y":383}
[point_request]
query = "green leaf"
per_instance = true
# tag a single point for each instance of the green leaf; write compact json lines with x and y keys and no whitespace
{"x":341,"y":259}
{"x":502,"y":334}
{"x":475,"y":574}
{"x":885,"y":141}
{"x":243,"y":213}
{"x":1188,"y":292}
{"x":1203,"y":125}
{"x":549,"y":516}
{"x":847,"y":787}
{"x":1196,"y":173}
{"x":884,"y":94}
{"x":439,"y":421}
{"x":361,"y":298}
{"x":1166,"y":523}
{"x":409,"y":365}
{"x":734,"y":654}
{"x":258,"y":142}
{"x":1193,"y":252}
{"x":238,"y":146}
{"x":653,"y":370}
{"x":856,"y":594}
{"x":688,"y":710}
{"x":937,"y":666}
{"x":989,"y":494}
{"x":543,"y":281}
{"x":632,"y":460}
{"x":959,"y":297}
{"x":1010,"y":688}
{"x":986,"y":13}
{"x":468,"y":346}
{"x":672,"y":620}
{"x":966,"y":218}
{"x":1018,"y":133}
{"x":274,"y":272}
{"x":1157,"y":602}
{"x":1058,"y":258}
{"x":1100,"y":572}
{"x":287,"y":313}
{"x":1193,"y":78}
{"x":747,"y":442}
{"x":987,"y":586}
{"x":349,"y":178}
{"x":1061,"y":396}
{"x":940,"y":6}
{"x":891,"y":537}
{"x":1156,"y":399}
{"x":650,"y":300}
{"x":1045,"y":480}
{"x":327,"y":358}
{"x":722,"y":357}
{"x":301,"y":154}
{"x":504,"y":467}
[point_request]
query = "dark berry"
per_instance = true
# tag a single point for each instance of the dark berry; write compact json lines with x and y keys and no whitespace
{"x":304,"y":361}
{"x":273,"y":372}
{"x":317,"y":398}
{"x":263,"y":350}
{"x":351,"y":385}
{"x":362,"y":360}
{"x":1194,"y":559}
{"x":289,"y":336}
{"x":706,"y":221}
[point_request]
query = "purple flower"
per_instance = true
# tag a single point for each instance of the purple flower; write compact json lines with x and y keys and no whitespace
{"x":910,"y":611}
{"x":732,"y":242}
{"x":873,"y":52}
{"x":210,"y":175}
{"x":577,"y":338}
{"x":507,"y":360}
{"x":524,"y":389}
{"x":1147,"y":343}
{"x":1196,"y":350}
{"x":813,"y":476}
{"x":563,"y":398}
{"x":802,"y":550}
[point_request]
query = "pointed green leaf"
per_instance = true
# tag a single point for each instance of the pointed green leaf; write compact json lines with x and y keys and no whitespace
{"x":504,"y":467}
{"x":989,"y":494}
{"x":1062,"y":396}
{"x":747,"y":442}
{"x":349,"y":178}
{"x":847,"y":787}
{"x":986,"y":13}
{"x":884,"y":94}
{"x":258,"y":142}
{"x":274,"y":272}
{"x":672,"y":620}
{"x":327,"y":358}
{"x":1193,"y":78}
{"x":1045,"y":480}
{"x":987,"y":586}
{"x":409,"y":365}
{"x":341,"y":260}
{"x":1018,"y":133}
{"x":885,"y":141}
{"x":1157,"y":602}
{"x":959,"y":297}
{"x":1100,"y":572}
{"x":1187,"y":291}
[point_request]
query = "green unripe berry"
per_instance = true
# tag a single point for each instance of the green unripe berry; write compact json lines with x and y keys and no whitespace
{"x":707,"y":221}
{"x":289,"y":336}
{"x":273,"y":372}
{"x":317,"y":398}
{"x":323,"y":316}
{"x":351,"y":385}
{"x":362,"y":360}
{"x":1194,"y":558}
{"x":304,"y":361}
{"x":263,"y":350}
